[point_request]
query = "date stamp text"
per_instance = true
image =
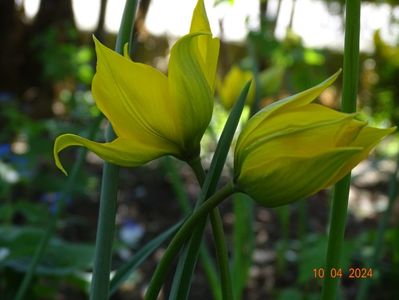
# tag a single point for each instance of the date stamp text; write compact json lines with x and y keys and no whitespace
{"x":351,"y":273}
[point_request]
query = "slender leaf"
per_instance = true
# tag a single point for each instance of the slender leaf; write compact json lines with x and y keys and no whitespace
{"x":208,"y":188}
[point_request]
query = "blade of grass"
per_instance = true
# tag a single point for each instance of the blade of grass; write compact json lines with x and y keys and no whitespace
{"x":208,"y":188}
{"x":341,"y":189}
{"x":109,"y":188}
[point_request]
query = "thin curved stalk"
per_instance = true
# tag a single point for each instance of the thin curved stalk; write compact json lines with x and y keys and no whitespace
{"x":109,"y":188}
{"x":219,"y":237}
{"x":181,"y":236}
{"x":341,"y":190}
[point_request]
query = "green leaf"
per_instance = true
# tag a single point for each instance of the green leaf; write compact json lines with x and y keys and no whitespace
{"x":223,"y":146}
{"x":59,"y":259}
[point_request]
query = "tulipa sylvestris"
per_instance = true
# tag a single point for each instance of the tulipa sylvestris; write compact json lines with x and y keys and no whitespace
{"x":229,"y":89}
{"x":153,"y":114}
{"x":294,"y":148}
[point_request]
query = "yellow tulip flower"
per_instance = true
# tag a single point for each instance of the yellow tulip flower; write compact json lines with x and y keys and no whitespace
{"x":153,"y":114}
{"x":229,"y":89}
{"x":294,"y":148}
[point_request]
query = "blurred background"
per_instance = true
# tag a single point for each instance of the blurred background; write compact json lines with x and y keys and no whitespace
{"x":47,"y":61}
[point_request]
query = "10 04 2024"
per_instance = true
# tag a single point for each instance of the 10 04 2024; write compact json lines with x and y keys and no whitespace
{"x":351,"y":273}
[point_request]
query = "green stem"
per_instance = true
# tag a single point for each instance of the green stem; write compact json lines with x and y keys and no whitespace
{"x":216,"y":167}
{"x":198,"y":170}
{"x":221,"y":253}
{"x":341,"y":190}
{"x":182,"y":235}
{"x":205,"y":258}
{"x":53,"y":221}
{"x":126,"y":29}
{"x":336,"y":237}
{"x":105,"y":233}
{"x":109,"y":189}
{"x":219,"y":237}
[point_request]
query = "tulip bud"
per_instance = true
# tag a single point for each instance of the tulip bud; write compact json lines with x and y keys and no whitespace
{"x":294,"y":148}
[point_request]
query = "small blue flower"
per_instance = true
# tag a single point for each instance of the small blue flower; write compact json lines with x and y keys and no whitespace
{"x":131,"y":232}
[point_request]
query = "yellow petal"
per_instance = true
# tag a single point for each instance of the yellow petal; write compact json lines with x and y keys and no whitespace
{"x":307,"y":130}
{"x":291,"y":178}
{"x":293,"y":101}
{"x":291,"y":118}
{"x":199,"y":20}
{"x":190,"y":88}
{"x":121,"y":151}
{"x":232,"y":85}
{"x":133,"y":96}
{"x":367,"y":139}
{"x":208,"y":48}
{"x":306,"y":142}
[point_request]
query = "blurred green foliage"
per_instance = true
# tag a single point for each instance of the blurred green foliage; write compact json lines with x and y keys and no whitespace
{"x":64,"y":59}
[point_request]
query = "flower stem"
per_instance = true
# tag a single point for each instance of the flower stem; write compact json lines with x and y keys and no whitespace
{"x":109,"y":188}
{"x":221,"y":253}
{"x":205,"y":258}
{"x":341,"y":189}
{"x":105,"y":233}
{"x":182,"y":235}
{"x":219,"y":237}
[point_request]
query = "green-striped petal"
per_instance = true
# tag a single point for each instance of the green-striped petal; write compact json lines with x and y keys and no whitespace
{"x":190,"y":89}
{"x":133,"y":96}
{"x":291,"y":102}
{"x":121,"y":151}
{"x":292,"y":178}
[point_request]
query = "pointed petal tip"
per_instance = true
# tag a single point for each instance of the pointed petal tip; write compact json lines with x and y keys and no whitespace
{"x":59,"y":165}
{"x":330,"y":80}
{"x":56,"y":150}
{"x":199,"y":20}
